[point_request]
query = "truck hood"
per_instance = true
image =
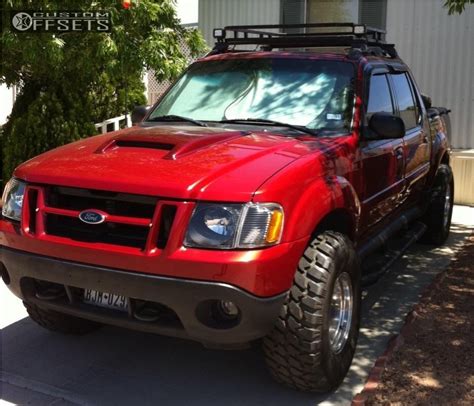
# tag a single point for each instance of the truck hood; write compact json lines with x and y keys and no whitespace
{"x":175,"y":162}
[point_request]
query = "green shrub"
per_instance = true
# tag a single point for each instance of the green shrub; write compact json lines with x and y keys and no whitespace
{"x":69,"y":81}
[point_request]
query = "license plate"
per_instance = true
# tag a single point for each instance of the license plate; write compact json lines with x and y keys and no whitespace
{"x":104,"y":299}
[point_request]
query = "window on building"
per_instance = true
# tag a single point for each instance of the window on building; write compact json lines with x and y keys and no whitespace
{"x":406,"y":103}
{"x":373,"y":13}
{"x":324,"y":11}
{"x":293,"y":12}
{"x":370,"y":12}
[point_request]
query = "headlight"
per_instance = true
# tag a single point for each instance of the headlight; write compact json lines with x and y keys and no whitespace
{"x":227,"y":226}
{"x":13,"y":199}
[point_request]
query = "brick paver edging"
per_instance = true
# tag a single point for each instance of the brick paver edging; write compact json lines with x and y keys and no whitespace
{"x":394,"y":344}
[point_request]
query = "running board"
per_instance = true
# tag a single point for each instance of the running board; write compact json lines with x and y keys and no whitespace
{"x":374,"y":268}
{"x":377,"y":241}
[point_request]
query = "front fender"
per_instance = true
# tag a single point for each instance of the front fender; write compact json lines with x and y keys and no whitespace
{"x":310,"y":201}
{"x":324,"y":196}
{"x":440,"y":146}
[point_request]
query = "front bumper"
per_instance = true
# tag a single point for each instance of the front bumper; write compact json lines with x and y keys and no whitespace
{"x":188,"y":299}
{"x":262,"y":272}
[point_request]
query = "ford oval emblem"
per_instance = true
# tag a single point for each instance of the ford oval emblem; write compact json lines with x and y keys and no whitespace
{"x":91,"y":217}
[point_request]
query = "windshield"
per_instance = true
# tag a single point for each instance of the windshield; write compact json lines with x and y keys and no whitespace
{"x":315,"y":94}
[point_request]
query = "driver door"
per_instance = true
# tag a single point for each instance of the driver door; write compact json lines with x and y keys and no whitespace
{"x":382,"y":161}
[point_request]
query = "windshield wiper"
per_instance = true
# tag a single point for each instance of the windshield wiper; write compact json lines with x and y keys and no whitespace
{"x":173,"y":117}
{"x":259,"y":121}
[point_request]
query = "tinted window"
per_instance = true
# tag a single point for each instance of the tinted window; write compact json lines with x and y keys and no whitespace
{"x":416,"y":99}
{"x":379,"y":96}
{"x":405,"y":100}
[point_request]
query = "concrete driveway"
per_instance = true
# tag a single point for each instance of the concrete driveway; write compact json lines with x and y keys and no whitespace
{"x":120,"y":367}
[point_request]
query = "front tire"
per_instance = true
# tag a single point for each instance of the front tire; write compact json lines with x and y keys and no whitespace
{"x":314,"y":339}
{"x":59,"y":322}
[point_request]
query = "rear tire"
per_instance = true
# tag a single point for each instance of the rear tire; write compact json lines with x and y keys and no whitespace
{"x":60,"y":322}
{"x":303,"y":350}
{"x":438,"y":216}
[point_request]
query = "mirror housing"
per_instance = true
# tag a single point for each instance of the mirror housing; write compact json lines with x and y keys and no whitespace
{"x":426,"y":101}
{"x":387,"y":126}
{"x":139,"y":113}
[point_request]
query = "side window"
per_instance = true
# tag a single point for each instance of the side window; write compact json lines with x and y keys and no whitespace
{"x":417,"y":100}
{"x":380,"y":98}
{"x":406,"y":104}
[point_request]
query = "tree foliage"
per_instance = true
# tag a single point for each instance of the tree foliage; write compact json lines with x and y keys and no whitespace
{"x":69,"y":81}
{"x":457,"y":6}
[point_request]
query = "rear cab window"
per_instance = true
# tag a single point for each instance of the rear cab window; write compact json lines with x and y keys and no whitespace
{"x":407,"y":103}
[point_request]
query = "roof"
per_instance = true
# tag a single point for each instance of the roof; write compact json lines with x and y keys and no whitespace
{"x":276,"y":54}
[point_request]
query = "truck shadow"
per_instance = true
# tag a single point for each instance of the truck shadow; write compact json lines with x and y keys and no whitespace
{"x":115,"y":366}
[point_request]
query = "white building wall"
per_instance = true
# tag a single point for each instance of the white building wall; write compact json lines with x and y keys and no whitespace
{"x":439,"y":49}
{"x":187,"y":11}
{"x":219,"y":13}
{"x":7,"y":97}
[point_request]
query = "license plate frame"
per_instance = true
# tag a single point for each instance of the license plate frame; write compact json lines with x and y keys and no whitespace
{"x":106,"y":300}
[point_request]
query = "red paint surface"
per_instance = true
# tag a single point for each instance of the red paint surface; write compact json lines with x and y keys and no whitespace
{"x":310,"y":177}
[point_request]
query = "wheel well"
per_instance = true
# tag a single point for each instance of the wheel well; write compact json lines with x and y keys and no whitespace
{"x":339,"y":220}
{"x":445,"y":159}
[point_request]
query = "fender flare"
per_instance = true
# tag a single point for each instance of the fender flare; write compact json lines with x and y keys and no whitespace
{"x":325,"y":195}
{"x":440,"y":149}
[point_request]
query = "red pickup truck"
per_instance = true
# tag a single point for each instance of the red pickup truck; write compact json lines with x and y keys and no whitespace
{"x":242,"y":205}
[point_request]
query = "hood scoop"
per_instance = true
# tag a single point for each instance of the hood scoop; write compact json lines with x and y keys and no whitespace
{"x":173,"y":146}
{"x":201,"y":143}
{"x":144,"y":144}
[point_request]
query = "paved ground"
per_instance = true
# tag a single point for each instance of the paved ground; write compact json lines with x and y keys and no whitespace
{"x":121,"y":367}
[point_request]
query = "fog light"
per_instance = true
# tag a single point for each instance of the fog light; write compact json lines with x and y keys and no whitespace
{"x":49,"y":290}
{"x":229,"y":308}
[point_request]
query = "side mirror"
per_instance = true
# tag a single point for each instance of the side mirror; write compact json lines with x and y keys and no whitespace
{"x":426,"y":101}
{"x":386,"y":125}
{"x":139,"y":113}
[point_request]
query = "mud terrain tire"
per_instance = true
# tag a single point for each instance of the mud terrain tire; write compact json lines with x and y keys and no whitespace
{"x":299,"y":351}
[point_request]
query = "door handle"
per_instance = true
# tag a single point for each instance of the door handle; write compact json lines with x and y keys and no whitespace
{"x":400,"y":157}
{"x":398,"y":152}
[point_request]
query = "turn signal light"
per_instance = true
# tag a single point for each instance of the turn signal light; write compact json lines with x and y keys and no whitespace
{"x":275,"y":227}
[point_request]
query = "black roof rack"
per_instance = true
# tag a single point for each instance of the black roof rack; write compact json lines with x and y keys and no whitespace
{"x":367,"y":40}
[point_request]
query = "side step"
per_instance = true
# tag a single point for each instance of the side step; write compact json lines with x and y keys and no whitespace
{"x":377,"y":264}
{"x":379,"y":240}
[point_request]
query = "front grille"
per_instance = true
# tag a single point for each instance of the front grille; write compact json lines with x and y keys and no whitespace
{"x":119,"y":204}
{"x":108,"y":233}
{"x":134,"y":221}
